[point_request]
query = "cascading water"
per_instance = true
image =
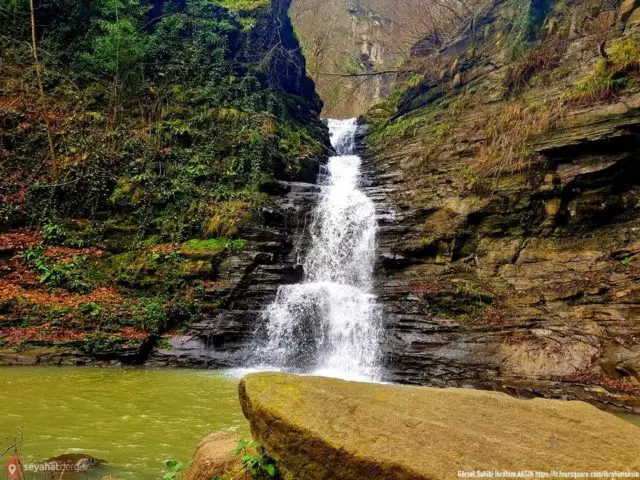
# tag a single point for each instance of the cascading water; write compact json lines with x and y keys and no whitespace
{"x":330,"y":323}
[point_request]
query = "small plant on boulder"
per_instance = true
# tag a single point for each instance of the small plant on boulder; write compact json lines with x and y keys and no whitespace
{"x":255,"y":461}
{"x":173,"y":470}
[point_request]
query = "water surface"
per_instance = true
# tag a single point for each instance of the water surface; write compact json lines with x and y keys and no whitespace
{"x":131,"y":418}
{"x":635,"y":419}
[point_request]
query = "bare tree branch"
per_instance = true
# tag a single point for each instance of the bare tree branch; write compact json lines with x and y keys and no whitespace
{"x":365,"y":74}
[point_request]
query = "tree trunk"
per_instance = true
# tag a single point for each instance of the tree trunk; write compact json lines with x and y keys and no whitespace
{"x":43,"y":98}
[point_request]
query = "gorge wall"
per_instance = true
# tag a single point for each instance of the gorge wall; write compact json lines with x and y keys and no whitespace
{"x":153,"y":191}
{"x":507,"y":181}
{"x":347,"y":38}
{"x":151,"y":209}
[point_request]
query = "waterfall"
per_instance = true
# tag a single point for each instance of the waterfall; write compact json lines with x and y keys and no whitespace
{"x":330,"y":323}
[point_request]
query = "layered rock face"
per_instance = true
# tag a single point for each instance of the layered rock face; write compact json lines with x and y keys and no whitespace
{"x":320,"y":428}
{"x":524,"y":278}
{"x":246,"y":283}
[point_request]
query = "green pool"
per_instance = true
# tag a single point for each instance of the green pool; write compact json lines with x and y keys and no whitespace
{"x":131,"y":418}
{"x":635,"y":419}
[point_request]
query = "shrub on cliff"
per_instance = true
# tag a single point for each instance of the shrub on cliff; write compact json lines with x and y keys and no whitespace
{"x":618,"y":71}
{"x":136,"y":108}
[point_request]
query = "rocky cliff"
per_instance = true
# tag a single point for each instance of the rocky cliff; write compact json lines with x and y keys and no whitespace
{"x":154,"y":180}
{"x":349,"y":45}
{"x":507,"y":180}
{"x":340,"y":39}
{"x":243,"y":284}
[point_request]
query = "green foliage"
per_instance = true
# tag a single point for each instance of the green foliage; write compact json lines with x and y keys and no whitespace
{"x":169,"y":119}
{"x":436,"y":118}
{"x":255,"y":460}
{"x":99,"y":343}
{"x":526,"y":18}
{"x":161,"y":115}
{"x":173,"y":469}
{"x":244,"y":4}
{"x":106,"y":318}
{"x":81,"y":234}
{"x":55,"y":274}
{"x":150,"y":315}
{"x":90,"y":309}
{"x":150,"y":271}
{"x":211,"y":247}
{"x":63,"y":275}
{"x":610,"y":76}
{"x":54,"y":234}
{"x":625,"y":54}
{"x":404,"y":127}
{"x":32,"y":255}
{"x":117,"y":47}
{"x":626,"y":261}
{"x":351,"y":64}
{"x":296,"y":142}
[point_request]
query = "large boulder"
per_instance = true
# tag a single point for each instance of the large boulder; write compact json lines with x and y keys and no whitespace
{"x":320,"y":428}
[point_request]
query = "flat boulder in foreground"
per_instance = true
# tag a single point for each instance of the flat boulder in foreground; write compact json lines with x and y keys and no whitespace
{"x":321,"y":428}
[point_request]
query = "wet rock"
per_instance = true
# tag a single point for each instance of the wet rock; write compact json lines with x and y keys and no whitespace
{"x":246,"y":283}
{"x":320,"y":428}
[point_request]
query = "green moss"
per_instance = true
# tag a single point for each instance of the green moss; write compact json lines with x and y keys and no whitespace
{"x":199,"y":248}
{"x":150,"y":315}
{"x":102,"y":344}
{"x":434,"y":120}
{"x":625,"y":53}
{"x":610,"y":76}
{"x":243,"y":5}
{"x":143,"y":270}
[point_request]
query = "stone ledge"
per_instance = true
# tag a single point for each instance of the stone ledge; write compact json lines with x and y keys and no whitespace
{"x":320,"y":428}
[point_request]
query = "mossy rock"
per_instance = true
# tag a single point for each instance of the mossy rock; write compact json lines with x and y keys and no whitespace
{"x":210,"y":248}
{"x":321,"y":428}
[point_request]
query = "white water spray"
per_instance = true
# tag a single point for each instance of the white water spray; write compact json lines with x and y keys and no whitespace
{"x":330,"y":323}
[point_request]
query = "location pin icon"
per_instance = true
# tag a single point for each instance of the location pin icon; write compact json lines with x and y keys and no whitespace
{"x":13,"y":469}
